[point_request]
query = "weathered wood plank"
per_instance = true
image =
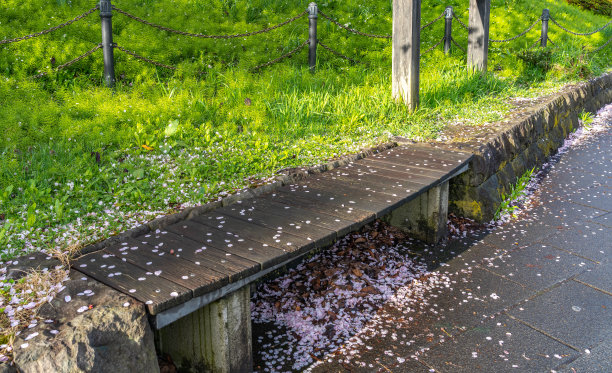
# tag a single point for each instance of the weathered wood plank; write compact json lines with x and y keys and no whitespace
{"x":220,"y":261}
{"x":284,"y":240}
{"x":380,"y":180}
{"x":265,"y":255}
{"x":309,"y":233}
{"x":378,"y":203}
{"x":198,"y":279}
{"x":323,"y":206}
{"x":438,"y":151}
{"x":416,"y":160}
{"x":157,"y":293}
{"x":295,"y":216}
{"x":421,"y":157}
{"x":405,"y":168}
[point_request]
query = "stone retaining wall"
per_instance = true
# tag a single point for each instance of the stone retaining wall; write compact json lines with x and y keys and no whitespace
{"x":519,"y":145}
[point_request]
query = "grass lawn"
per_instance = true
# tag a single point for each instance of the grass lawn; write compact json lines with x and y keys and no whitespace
{"x":80,"y":162}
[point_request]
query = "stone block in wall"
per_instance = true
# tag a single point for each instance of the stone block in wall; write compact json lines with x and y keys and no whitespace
{"x":97,"y":329}
{"x":522,"y":146}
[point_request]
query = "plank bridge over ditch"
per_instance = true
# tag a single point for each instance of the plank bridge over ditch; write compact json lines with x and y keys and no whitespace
{"x":194,"y":276}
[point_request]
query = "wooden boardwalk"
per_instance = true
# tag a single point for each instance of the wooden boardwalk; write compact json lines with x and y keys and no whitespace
{"x":194,"y":262}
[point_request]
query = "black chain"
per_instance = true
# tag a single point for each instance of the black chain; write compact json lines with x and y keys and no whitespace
{"x":434,"y":21}
{"x":550,"y":41}
{"x":579,"y":33}
{"x":209,"y":36}
{"x":460,"y":22}
{"x":536,"y":42}
{"x":145,"y":59}
{"x":458,"y":46}
{"x":353,"y":30}
{"x":603,"y":46}
{"x":286,"y":55}
{"x":433,"y":47}
{"x":519,"y":35}
{"x":67,"y":23}
{"x":71,"y":62}
{"x":337,"y":53}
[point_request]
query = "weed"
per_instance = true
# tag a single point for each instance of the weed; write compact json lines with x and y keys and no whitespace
{"x":586,"y":119}
{"x":510,"y":202}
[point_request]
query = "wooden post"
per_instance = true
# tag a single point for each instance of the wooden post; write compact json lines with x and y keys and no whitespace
{"x":313,"y":12}
{"x":406,"y":51}
{"x":424,"y":217}
{"x":106,"y":16}
{"x":216,"y":338}
{"x":478,"y":35}
{"x":448,"y":28}
{"x":544,"y":35}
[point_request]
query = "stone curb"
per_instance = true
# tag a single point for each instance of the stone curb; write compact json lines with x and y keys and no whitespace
{"x":520,"y":145}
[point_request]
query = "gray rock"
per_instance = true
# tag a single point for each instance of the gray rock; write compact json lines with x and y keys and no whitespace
{"x":5,"y":368}
{"x":112,"y":334}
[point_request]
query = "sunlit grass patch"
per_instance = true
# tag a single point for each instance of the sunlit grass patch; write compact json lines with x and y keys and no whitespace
{"x":80,"y":163}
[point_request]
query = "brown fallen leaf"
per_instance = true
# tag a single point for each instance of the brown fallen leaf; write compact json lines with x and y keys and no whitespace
{"x":357,"y":272}
{"x":370,"y":290}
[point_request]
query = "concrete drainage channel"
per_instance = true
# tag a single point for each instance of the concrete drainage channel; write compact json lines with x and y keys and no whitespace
{"x":112,"y":333}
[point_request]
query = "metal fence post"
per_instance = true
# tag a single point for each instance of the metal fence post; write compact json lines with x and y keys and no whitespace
{"x":313,"y":12}
{"x":544,"y":35}
{"x":448,"y":28}
{"x":106,"y":16}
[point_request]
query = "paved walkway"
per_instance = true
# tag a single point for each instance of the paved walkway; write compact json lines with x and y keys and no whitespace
{"x":532,"y":296}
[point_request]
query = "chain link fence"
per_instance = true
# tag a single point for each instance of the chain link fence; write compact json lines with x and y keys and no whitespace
{"x":144,"y":59}
{"x":71,"y":62}
{"x":286,"y":55}
{"x":335,"y":52}
{"x":357,"y":32}
{"x":313,"y":12}
{"x":602,"y":46}
{"x":580,"y":33}
{"x":47,"y":31}
{"x":519,"y":35}
{"x":232,"y":36}
{"x":433,"y":47}
{"x":458,"y":45}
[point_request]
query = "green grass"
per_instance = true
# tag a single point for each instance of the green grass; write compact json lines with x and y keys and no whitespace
{"x":74,"y":161}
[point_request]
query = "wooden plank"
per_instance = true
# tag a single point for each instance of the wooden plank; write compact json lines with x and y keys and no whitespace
{"x":416,"y":160}
{"x":327,"y":207}
{"x":298,"y":215}
{"x":438,"y":151}
{"x":157,"y":293}
{"x":344,"y":195}
{"x":255,"y":232}
{"x":197,"y":278}
{"x":380,"y":180}
{"x":433,"y":156}
{"x":277,"y":216}
{"x":220,"y":261}
{"x":305,"y":232}
{"x":429,"y":151}
{"x":405,"y":168}
{"x":265,"y":255}
{"x":422,"y":158}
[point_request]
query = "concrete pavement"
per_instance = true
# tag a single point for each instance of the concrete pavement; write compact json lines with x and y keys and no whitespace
{"x":534,"y":295}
